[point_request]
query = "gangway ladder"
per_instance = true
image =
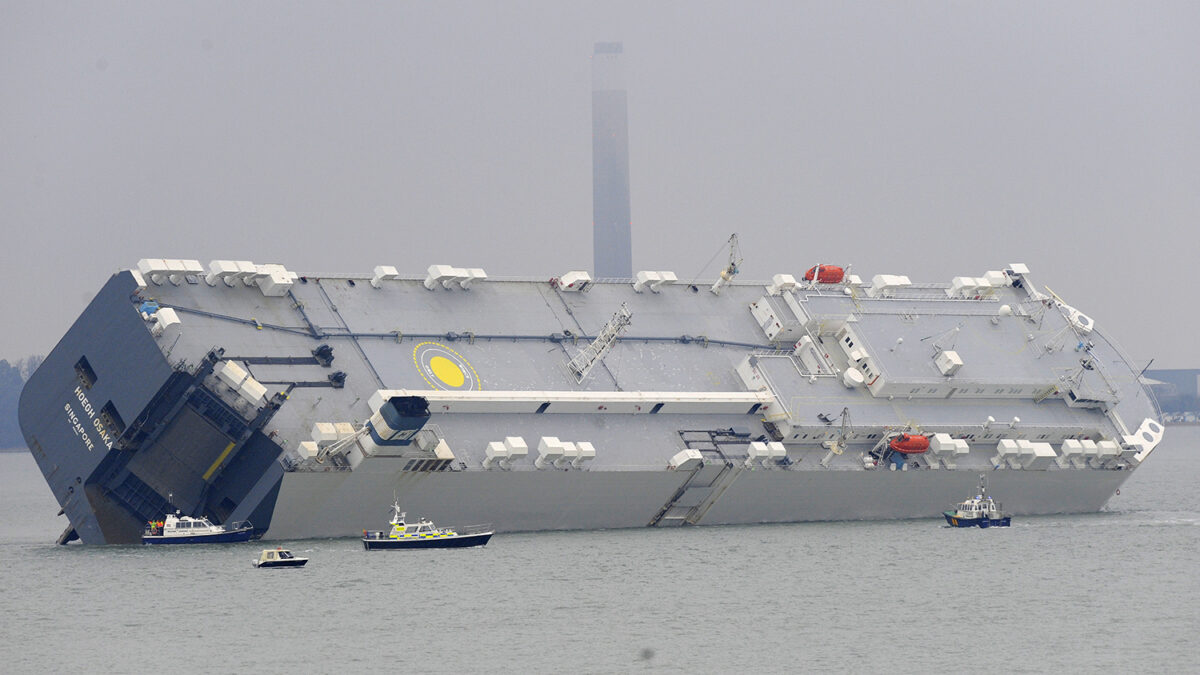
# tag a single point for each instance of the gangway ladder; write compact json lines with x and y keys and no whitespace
{"x":703,"y":486}
{"x":587,"y":359}
{"x":697,"y":494}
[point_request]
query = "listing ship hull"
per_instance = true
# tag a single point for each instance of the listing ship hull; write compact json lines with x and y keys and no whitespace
{"x":277,"y":399}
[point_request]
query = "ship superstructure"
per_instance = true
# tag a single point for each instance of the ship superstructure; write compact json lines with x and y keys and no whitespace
{"x":240,"y":391}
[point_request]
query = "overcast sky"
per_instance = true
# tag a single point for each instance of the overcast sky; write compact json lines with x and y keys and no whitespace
{"x":932,"y":139}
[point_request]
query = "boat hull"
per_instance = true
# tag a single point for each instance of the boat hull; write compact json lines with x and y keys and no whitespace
{"x":294,"y":562}
{"x":233,"y":536}
{"x":956,"y":521}
{"x":457,"y":541}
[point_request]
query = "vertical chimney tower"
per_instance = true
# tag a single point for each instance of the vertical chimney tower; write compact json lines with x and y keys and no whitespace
{"x":612,"y":244}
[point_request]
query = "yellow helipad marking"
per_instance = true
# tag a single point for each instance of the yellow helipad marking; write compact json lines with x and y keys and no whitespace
{"x":443,"y":368}
{"x":447,"y":371}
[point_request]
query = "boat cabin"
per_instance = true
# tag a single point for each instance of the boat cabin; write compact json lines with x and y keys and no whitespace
{"x":979,"y":507}
{"x":176,"y":525}
{"x":277,"y":555}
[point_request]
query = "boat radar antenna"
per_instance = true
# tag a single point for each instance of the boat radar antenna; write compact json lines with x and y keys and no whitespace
{"x":731,"y":270}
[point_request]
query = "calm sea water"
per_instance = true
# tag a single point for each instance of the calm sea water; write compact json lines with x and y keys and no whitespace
{"x":1114,"y":591}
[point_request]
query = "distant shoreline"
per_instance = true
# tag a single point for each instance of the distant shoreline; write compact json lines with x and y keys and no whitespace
{"x":14,"y":450}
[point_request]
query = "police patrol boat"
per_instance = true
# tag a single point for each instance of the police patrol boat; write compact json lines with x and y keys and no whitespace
{"x":978,"y":511}
{"x":422,"y":534}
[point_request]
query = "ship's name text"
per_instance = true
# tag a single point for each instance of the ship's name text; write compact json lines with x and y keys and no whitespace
{"x":80,"y":428}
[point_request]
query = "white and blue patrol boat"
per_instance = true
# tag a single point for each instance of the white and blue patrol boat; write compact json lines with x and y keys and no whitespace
{"x":422,"y":534}
{"x":177,"y":529}
{"x":979,"y":511}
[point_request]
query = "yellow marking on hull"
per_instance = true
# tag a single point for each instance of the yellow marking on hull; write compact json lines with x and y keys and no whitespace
{"x":212,"y":469}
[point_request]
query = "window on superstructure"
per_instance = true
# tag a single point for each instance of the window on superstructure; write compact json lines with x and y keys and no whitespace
{"x":83,"y":371}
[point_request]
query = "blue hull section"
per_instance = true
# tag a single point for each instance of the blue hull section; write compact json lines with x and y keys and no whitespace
{"x":123,"y":436}
{"x":955,"y":521}
{"x":243,"y":534}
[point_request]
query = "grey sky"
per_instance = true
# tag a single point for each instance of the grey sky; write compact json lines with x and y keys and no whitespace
{"x":932,"y":139}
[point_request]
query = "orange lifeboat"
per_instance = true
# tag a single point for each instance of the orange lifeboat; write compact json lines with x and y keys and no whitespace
{"x":826,"y":274}
{"x":909,"y":444}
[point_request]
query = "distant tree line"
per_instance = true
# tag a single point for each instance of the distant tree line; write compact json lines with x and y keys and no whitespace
{"x":12,"y":379}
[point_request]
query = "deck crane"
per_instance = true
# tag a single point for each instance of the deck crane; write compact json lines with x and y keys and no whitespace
{"x":731,"y":270}
{"x":837,"y":445}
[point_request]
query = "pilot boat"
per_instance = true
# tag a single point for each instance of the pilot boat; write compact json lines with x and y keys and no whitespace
{"x":979,"y":511}
{"x":279,"y":557}
{"x":177,"y":529}
{"x":422,"y":533}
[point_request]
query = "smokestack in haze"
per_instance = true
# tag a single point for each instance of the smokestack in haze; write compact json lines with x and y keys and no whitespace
{"x":612,"y":244}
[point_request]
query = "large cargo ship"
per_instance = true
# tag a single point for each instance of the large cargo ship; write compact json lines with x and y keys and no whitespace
{"x":304,"y":404}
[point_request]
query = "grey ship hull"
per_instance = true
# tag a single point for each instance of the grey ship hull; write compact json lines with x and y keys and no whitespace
{"x":534,"y":501}
{"x":133,"y":414}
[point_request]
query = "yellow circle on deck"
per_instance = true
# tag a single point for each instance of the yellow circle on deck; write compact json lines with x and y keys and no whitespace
{"x":447,"y":371}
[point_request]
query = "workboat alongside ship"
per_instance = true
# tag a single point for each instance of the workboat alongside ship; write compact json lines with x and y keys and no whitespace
{"x":300,"y":403}
{"x":978,"y":511}
{"x":177,"y":529}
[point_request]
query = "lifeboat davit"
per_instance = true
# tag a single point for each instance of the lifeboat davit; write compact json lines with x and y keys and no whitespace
{"x":909,"y":444}
{"x":826,"y":274}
